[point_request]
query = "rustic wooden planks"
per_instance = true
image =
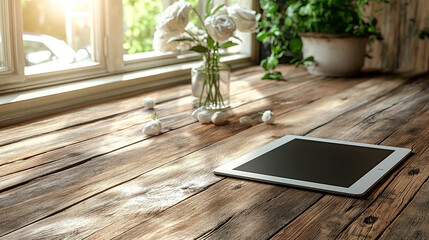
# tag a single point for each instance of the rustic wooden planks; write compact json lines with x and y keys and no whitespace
{"x":127,"y":157}
{"x":214,"y":232}
{"x":17,"y":172}
{"x":416,"y":214}
{"x":401,"y":49}
{"x":123,"y":185}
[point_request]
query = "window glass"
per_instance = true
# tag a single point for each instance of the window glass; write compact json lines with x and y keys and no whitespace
{"x":139,"y":24}
{"x":57,"y":34}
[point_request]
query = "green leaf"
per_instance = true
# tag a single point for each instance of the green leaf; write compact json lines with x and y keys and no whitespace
{"x":210,"y":42}
{"x":180,"y":39}
{"x":239,"y":39}
{"x":423,"y":34}
{"x":208,"y":7}
{"x":288,"y":22}
{"x":261,"y":36}
{"x":274,"y":76}
{"x":228,"y":44}
{"x":293,"y":60}
{"x":217,"y":9}
{"x":272,"y":62}
{"x":266,"y":76}
{"x":309,"y":59}
{"x":264,"y":64}
{"x":199,"y":49}
{"x":306,"y":10}
{"x":295,"y":46}
{"x":277,"y":76}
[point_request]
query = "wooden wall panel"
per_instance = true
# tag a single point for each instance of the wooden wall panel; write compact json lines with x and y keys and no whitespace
{"x":401,"y":49}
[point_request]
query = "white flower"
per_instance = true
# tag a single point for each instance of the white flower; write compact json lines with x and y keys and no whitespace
{"x":246,"y":121}
{"x":218,"y":118}
{"x":268,"y":117}
{"x":160,"y":41}
{"x":244,"y":18}
{"x":204,"y":116}
{"x":220,"y":27}
{"x":175,"y":17}
{"x":148,"y":103}
{"x":153,"y":127}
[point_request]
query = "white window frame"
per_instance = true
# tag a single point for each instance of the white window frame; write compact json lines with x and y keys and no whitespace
{"x":76,"y":71}
{"x":11,"y":20}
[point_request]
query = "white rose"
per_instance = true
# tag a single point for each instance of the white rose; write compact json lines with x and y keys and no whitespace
{"x":160,"y":41}
{"x":175,"y":17}
{"x":244,"y":18}
{"x":220,"y":27}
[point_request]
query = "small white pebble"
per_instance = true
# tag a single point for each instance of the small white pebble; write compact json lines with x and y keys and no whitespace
{"x":268,"y":117}
{"x":152,"y":128}
{"x":218,"y":118}
{"x":198,"y":110}
{"x":148,"y":103}
{"x":246,"y":121}
{"x":204,"y":116}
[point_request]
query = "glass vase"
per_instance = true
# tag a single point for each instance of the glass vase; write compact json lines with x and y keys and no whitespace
{"x":210,"y":85}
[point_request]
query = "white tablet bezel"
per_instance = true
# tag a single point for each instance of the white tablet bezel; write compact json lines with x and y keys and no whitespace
{"x":359,"y":188}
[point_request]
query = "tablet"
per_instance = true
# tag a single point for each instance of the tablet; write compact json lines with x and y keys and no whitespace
{"x":332,"y":166}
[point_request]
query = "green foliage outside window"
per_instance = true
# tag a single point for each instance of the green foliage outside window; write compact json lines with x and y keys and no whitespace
{"x":139,"y":24}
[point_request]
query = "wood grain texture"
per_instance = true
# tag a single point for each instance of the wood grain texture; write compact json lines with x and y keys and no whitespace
{"x":193,"y":138}
{"x":289,"y":124}
{"x":416,"y":214}
{"x":16,"y":172}
{"x":107,"y":180}
{"x":401,"y":49}
{"x":95,"y":121}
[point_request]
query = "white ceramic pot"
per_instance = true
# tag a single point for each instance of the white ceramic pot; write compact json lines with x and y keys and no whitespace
{"x":334,"y":55}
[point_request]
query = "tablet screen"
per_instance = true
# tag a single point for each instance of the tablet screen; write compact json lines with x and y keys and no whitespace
{"x":319,"y":162}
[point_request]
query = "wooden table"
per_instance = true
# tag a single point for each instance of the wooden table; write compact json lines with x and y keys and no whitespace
{"x":91,"y":173}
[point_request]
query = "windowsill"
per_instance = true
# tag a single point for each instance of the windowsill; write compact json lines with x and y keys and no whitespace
{"x":21,"y":106}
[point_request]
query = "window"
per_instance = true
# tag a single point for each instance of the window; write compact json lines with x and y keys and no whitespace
{"x":45,"y":42}
{"x":57,"y":34}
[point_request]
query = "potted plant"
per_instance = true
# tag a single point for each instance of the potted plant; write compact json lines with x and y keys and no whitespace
{"x":328,"y":36}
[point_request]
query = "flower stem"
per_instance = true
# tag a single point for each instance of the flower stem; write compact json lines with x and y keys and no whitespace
{"x":210,"y":94}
